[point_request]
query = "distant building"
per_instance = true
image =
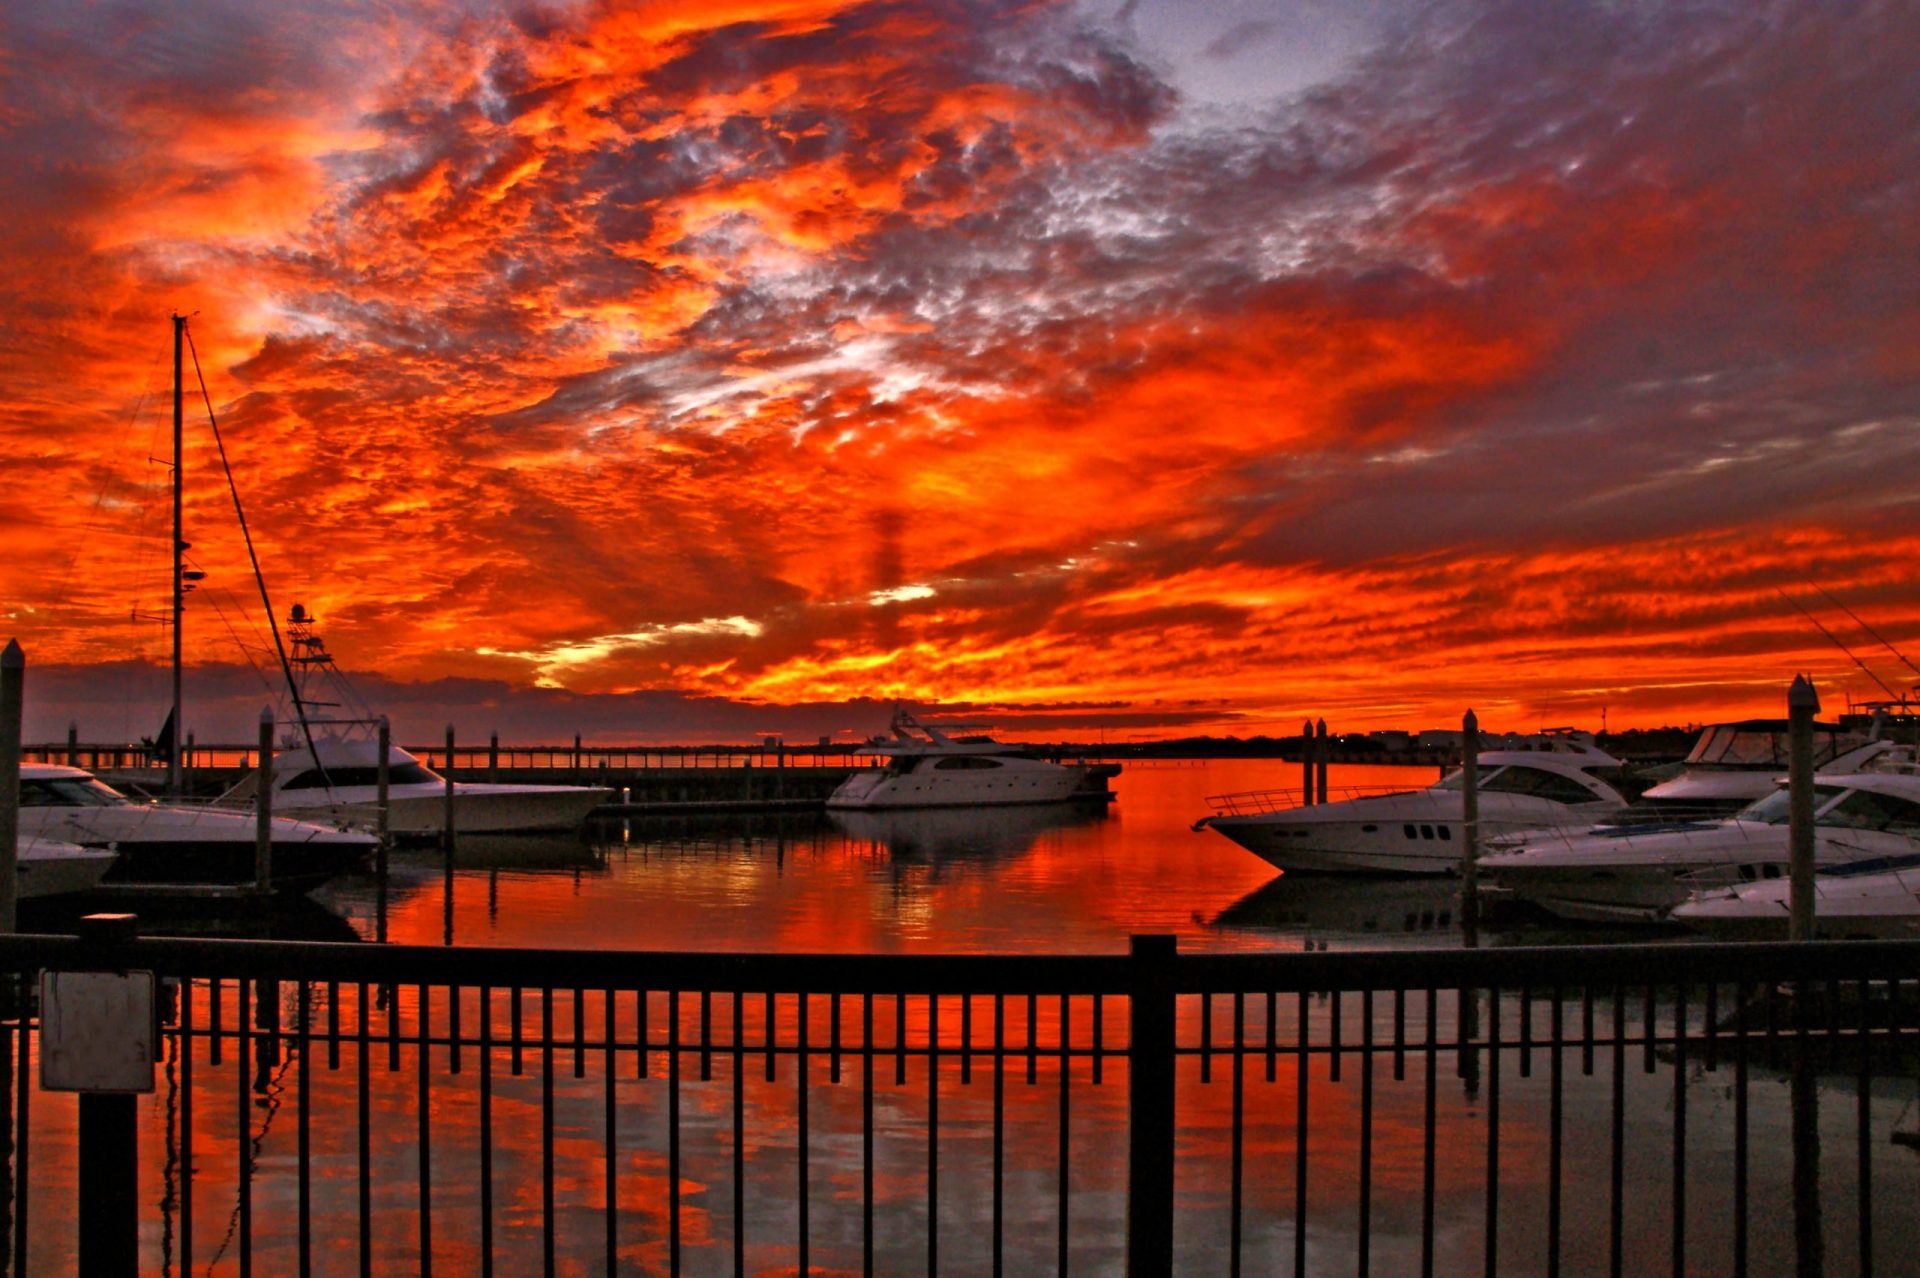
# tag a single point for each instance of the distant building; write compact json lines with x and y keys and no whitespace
{"x":1438,"y":739}
{"x":1392,"y":740}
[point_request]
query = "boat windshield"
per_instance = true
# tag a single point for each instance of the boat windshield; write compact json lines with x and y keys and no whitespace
{"x":1872,"y":810}
{"x":69,"y":792}
{"x":1773,"y":809}
{"x":343,"y":778}
{"x":1517,"y":778}
{"x":1755,"y":746}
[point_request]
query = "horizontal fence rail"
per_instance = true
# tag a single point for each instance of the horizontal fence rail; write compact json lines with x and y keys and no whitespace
{"x":327,"y":1108}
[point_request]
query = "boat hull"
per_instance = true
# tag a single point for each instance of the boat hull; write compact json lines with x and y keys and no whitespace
{"x":477,"y":809}
{"x":1003,"y":787}
{"x":46,"y":872}
{"x":1420,"y":833}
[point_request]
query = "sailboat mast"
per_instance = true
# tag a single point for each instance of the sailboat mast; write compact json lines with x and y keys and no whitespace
{"x":179,"y":565}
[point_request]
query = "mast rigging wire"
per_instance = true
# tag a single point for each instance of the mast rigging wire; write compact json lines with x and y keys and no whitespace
{"x":280,"y":649}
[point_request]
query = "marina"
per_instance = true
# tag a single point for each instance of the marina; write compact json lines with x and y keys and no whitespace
{"x":1305,"y":1004}
{"x":671,"y":639}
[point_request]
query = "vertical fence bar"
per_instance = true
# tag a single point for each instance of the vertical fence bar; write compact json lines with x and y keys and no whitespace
{"x":1366,"y":1131}
{"x":546,"y":1132}
{"x":933,"y":1135}
{"x":1493,"y":1131}
{"x":673,"y":1129}
{"x":1066,"y":1097}
{"x":1150,"y":1099}
{"x":999,"y":1129}
{"x":1679,"y":1128}
{"x":186,"y":1126}
{"x":866,"y":1134}
{"x":486,"y":1131}
{"x":1743,"y":1007}
{"x":243,"y":1123}
{"x":740,"y":1135}
{"x":1431,"y":1087}
{"x":364,"y":1104}
{"x":1237,"y":1154}
{"x":1616,"y":1137}
{"x":1863,"y":1132}
{"x":303,"y":1102}
{"x":609,"y":1121}
{"x":1302,"y":1035}
{"x":800,"y":1085}
{"x":423,"y":1020}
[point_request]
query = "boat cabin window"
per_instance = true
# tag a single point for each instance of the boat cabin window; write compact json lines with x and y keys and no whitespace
{"x":964,"y":762}
{"x":1871,"y":810}
{"x":900,"y":764}
{"x":342,"y":778}
{"x":1518,"y":778}
{"x":69,"y":792}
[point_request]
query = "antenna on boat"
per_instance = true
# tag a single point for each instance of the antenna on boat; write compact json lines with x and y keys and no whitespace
{"x":253,"y":557}
{"x":1899,"y":655}
{"x":1835,"y":641}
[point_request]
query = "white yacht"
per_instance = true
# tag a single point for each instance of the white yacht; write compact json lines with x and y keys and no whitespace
{"x":1632,"y":874}
{"x":1567,"y":782}
{"x":921,"y":766}
{"x":1875,"y":899}
{"x":328,"y":769}
{"x":1733,"y":764}
{"x":338,"y":780}
{"x":171,"y":844}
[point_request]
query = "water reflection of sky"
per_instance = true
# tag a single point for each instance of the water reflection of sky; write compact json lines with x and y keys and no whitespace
{"x":1056,"y":878}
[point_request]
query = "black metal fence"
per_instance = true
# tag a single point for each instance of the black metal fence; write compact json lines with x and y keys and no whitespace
{"x":380,"y":1109}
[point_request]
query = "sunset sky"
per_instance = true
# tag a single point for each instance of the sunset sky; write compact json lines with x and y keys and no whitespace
{"x":688,"y":371}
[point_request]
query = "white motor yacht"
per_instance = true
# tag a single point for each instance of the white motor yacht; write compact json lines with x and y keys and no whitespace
{"x":1566,"y":783}
{"x":1875,"y":899}
{"x":1733,"y":764}
{"x":338,"y":780}
{"x":174,"y":844}
{"x":1630,"y":873}
{"x":921,"y":766}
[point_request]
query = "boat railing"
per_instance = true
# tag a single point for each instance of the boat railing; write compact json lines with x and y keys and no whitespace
{"x":1259,"y":802}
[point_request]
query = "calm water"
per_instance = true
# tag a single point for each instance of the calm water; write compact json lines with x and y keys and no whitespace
{"x":1019,"y":880}
{"x":1022,"y":881}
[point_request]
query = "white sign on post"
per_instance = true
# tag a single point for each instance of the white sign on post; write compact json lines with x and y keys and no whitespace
{"x":96,"y":1031}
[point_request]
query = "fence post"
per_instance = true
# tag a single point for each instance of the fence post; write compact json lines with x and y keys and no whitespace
{"x":13,"y":682}
{"x":1150,"y":1025}
{"x":493,"y":756}
{"x":1802,"y":704}
{"x":108,"y":1139}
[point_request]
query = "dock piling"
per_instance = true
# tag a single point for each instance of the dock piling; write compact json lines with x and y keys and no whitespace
{"x":1803,"y":703}
{"x":13,"y":679}
{"x":1470,"y":829}
{"x":1306,"y":763}
{"x":382,"y":781}
{"x":446,"y":831}
{"x":1323,"y":750}
{"x":263,"y":809}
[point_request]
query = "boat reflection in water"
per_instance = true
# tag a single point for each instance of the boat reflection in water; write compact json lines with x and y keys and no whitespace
{"x":979,"y":834}
{"x":1424,"y":911}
